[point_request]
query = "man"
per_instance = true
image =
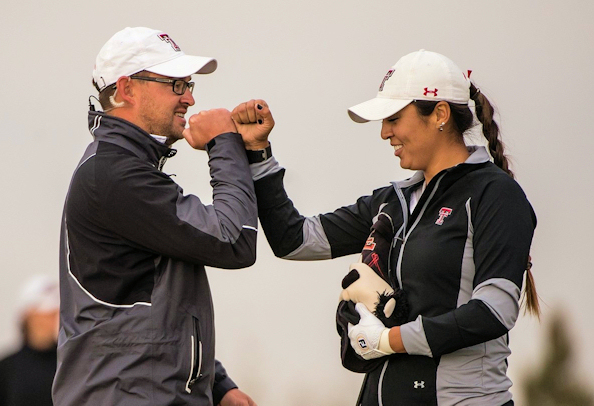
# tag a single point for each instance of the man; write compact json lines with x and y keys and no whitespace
{"x":136,"y":322}
{"x":26,"y":376}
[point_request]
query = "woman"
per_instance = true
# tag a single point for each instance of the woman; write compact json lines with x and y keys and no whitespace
{"x":462,"y":233}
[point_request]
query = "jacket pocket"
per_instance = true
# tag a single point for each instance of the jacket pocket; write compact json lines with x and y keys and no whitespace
{"x":195,"y":355}
{"x":408,"y":380}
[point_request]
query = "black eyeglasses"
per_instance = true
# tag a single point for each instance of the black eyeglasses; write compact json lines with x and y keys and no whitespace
{"x":179,"y":86}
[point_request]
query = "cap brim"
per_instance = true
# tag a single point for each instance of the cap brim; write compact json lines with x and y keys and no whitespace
{"x":185,"y":65}
{"x":377,"y":109}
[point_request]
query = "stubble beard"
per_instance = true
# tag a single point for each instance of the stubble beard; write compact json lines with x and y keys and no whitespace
{"x":158,"y":122}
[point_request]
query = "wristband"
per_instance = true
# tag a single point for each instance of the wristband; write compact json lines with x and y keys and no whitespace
{"x":259,"y":155}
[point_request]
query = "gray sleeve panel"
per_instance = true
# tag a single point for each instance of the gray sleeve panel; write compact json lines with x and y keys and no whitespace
{"x":414,"y":339}
{"x":315,"y":244}
{"x":204,"y":218}
{"x":501,"y":297}
{"x":234,"y":199}
{"x":262,"y":169}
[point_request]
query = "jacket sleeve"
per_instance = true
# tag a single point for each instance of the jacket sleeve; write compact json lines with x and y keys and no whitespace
{"x":503,"y":224}
{"x":293,"y":236}
{"x":150,"y":210}
{"x":222,"y":383}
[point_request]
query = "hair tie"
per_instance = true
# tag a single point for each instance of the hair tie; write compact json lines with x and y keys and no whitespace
{"x":475,"y":95}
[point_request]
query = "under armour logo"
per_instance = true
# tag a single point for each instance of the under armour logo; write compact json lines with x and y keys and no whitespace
{"x":388,"y":76}
{"x":443,"y":213}
{"x":427,"y":91}
{"x":420,"y":384}
{"x":166,"y":38}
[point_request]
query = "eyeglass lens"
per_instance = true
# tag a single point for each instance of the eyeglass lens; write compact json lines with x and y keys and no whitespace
{"x":179,"y":86}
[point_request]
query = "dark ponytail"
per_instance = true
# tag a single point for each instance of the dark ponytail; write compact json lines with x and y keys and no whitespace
{"x":463,"y":120}
{"x":484,"y":113}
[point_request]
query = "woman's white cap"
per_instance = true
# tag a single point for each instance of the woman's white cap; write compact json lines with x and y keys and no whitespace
{"x":421,"y":75}
{"x":132,"y":50}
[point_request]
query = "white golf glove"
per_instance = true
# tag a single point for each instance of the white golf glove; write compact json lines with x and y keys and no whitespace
{"x":370,"y":337}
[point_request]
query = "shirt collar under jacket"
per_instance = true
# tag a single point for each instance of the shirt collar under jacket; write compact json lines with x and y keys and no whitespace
{"x":159,"y":138}
{"x":478,"y":155}
{"x":123,"y":133}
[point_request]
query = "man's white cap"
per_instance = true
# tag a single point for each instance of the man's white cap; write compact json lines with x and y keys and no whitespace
{"x":40,"y":293}
{"x":136,"y":49}
{"x":421,"y":75}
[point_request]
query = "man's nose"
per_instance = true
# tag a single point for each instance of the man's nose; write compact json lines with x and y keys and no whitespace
{"x":188,"y":98}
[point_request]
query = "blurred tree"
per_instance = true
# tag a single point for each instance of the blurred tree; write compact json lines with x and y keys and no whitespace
{"x":555,"y":382}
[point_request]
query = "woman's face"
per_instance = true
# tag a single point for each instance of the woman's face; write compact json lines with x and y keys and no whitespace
{"x":413,"y":138}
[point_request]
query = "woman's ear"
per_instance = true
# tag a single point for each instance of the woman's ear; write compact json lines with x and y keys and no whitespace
{"x":442,"y":114}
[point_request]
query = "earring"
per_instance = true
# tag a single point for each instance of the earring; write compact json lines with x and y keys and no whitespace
{"x":441,"y":126}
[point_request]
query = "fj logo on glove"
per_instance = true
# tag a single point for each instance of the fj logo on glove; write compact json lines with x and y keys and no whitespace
{"x":443,"y":213}
{"x":362,"y":342}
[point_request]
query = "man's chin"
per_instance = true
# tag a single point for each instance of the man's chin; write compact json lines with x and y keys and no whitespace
{"x":173,"y":139}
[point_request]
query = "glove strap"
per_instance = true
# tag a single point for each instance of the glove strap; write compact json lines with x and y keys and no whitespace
{"x":384,"y":342}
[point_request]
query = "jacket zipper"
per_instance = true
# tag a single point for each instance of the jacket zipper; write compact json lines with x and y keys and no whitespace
{"x":196,"y":356}
{"x":408,"y":233}
{"x":397,"y":234}
{"x":399,"y":264}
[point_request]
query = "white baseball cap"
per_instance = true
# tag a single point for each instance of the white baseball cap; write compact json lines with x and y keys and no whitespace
{"x":421,"y":75}
{"x":40,"y":293}
{"x":132,"y":50}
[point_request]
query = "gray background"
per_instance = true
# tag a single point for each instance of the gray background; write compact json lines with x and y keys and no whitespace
{"x":310,"y":60}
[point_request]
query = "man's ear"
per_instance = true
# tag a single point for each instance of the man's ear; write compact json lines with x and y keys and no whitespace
{"x":125,"y":92}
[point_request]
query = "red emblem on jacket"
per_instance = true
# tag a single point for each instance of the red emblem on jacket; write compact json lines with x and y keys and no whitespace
{"x":369,"y":244}
{"x":443,"y":213}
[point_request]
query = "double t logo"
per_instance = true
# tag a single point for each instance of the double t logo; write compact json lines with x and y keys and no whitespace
{"x":443,"y":213}
{"x":166,"y":38}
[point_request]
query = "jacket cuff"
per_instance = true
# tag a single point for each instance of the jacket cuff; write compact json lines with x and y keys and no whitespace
{"x":220,"y":388}
{"x":221,"y":138}
{"x":414,"y":338}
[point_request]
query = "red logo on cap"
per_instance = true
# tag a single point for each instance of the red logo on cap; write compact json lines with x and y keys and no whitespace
{"x":388,"y":76}
{"x":166,"y":38}
{"x":427,"y":91}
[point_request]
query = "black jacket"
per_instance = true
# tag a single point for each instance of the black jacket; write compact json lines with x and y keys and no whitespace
{"x":26,"y":377}
{"x":460,"y":257}
{"x":136,"y":320}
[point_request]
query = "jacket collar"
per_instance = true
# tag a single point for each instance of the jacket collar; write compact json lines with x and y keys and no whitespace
{"x":478,"y":155}
{"x":114,"y":130}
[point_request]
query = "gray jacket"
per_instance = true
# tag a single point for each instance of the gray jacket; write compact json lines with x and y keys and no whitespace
{"x":136,"y":320}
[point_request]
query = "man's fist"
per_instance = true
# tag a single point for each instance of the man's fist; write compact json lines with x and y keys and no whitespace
{"x":254,"y":122}
{"x":206,"y":125}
